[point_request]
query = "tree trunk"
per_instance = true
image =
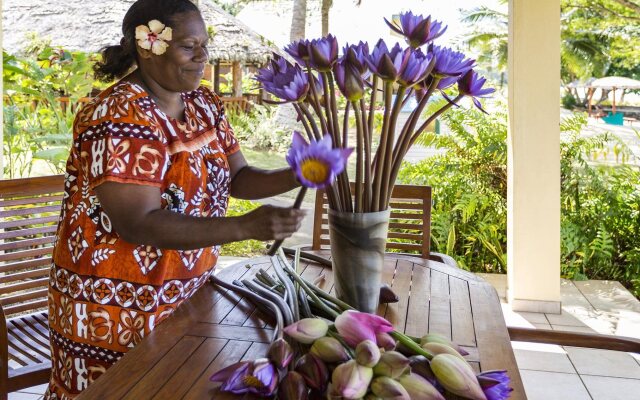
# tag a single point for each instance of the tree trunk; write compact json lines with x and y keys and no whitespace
{"x":326,"y":7}
{"x":298,"y":20}
{"x":237,"y":79}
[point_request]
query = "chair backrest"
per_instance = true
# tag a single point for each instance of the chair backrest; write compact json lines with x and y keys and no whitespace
{"x":29,"y":212}
{"x":409,"y":225}
{"x":236,"y":104}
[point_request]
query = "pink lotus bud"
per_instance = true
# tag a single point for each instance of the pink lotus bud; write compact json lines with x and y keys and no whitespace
{"x":307,"y":330}
{"x":367,"y":353}
{"x":293,"y":387}
{"x":436,"y":338}
{"x":355,"y":326}
{"x":419,"y":388}
{"x":389,"y":389}
{"x":329,"y":350}
{"x":280,"y":353}
{"x":313,"y":371}
{"x":386,"y":341}
{"x":457,"y":376}
{"x":439,"y":348}
{"x":350,"y":380}
{"x":391,"y":364}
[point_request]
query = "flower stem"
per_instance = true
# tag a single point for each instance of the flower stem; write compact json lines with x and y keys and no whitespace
{"x":292,"y":299}
{"x":388,"y":159}
{"x":296,"y":205}
{"x":359,"y":159}
{"x":367,"y":158}
{"x":410,"y":344}
{"x":305,"y":123}
{"x":382,"y":147}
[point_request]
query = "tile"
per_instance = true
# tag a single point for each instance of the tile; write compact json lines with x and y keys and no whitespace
{"x":565,"y":328}
{"x":541,"y":326}
{"x":24,"y":396}
{"x":608,"y":295}
{"x":40,"y":389}
{"x":603,"y":362}
{"x":540,"y":347}
{"x":543,"y":361}
{"x":564,"y":318}
{"x":607,"y":388}
{"x":513,"y":318}
{"x":541,"y":385}
{"x":537,"y":318}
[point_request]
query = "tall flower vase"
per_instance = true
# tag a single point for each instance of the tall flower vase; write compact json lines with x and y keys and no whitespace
{"x":358,"y":243}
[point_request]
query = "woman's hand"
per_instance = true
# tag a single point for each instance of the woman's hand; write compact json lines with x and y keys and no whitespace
{"x":272,"y":223}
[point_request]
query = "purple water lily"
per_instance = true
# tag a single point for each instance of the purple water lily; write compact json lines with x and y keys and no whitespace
{"x":384,"y":62}
{"x":415,"y":66}
{"x":299,"y":50}
{"x":349,"y":80}
{"x":417,"y":29}
{"x":471,"y":85}
{"x":284,"y":80}
{"x":323,"y":53}
{"x":495,"y":384}
{"x":316,"y":164}
{"x":356,"y":55}
{"x":450,"y":65}
{"x":259,"y":377}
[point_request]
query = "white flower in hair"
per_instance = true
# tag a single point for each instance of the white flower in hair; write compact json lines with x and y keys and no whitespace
{"x":154,"y":37}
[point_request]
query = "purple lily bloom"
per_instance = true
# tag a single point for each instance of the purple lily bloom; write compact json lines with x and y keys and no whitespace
{"x":299,"y":50}
{"x":450,"y":65}
{"x":471,"y":85}
{"x":259,"y":377}
{"x":284,"y":80}
{"x":349,"y":80}
{"x":356,"y":54}
{"x":323,"y":53}
{"x":316,"y":164}
{"x":384,"y":62}
{"x":417,"y":29}
{"x":495,"y":384}
{"x":415,"y":66}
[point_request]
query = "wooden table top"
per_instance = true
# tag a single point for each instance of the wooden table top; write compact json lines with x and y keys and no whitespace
{"x":216,"y":328}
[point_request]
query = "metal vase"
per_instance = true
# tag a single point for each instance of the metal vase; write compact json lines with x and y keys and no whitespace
{"x":358,"y":243}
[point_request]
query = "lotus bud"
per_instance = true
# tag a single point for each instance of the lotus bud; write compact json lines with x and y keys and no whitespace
{"x":280,"y":353}
{"x":389,"y":389}
{"x":387,"y":295}
{"x":372,"y":396}
{"x":457,"y":376}
{"x":350,"y":380}
{"x":329,"y":350}
{"x":391,"y":364}
{"x":293,"y":387}
{"x":367,"y":353}
{"x":313,"y":370}
{"x":439,"y":348}
{"x":436,"y":338}
{"x":421,"y":365}
{"x":386,"y":341}
{"x":307,"y":330}
{"x":420,"y":388}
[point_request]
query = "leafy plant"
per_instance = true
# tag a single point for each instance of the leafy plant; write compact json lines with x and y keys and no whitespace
{"x":258,"y":129}
{"x":246,"y":248}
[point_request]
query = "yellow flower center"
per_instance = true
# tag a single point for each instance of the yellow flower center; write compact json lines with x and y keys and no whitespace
{"x":252,"y":381}
{"x":314,"y":170}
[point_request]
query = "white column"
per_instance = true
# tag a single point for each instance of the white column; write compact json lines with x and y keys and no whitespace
{"x":533,"y":200}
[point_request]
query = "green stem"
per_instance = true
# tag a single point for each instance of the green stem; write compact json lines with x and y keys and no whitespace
{"x":410,"y":344}
{"x":359,"y":159}
{"x":367,"y":158}
{"x":305,"y":123}
{"x":388,"y":159}
{"x":382,"y":147}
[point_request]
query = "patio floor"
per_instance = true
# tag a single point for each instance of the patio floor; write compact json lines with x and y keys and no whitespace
{"x":553,"y":372}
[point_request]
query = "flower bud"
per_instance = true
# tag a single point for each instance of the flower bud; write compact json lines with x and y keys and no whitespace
{"x":307,"y":330}
{"x":367,"y":353}
{"x":421,"y":365}
{"x":387,"y":295}
{"x":280,"y":353}
{"x":293,"y":387}
{"x":385,"y":341}
{"x":436,"y":338}
{"x":457,"y":376}
{"x":350,"y":380}
{"x":439,"y":348}
{"x":389,"y":389}
{"x":313,"y":371}
{"x":419,"y":388}
{"x":391,"y":364}
{"x":329,"y":350}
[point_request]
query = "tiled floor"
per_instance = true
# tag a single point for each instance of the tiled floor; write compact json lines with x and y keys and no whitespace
{"x":569,"y":373}
{"x":553,"y":372}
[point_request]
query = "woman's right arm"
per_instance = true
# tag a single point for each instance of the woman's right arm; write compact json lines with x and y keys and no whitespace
{"x":136,"y":215}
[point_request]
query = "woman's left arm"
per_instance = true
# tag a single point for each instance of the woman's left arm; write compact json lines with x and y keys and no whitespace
{"x":250,"y":183}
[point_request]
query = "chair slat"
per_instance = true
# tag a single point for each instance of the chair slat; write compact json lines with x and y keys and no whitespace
{"x":407,"y":236}
{"x":404,"y":246}
{"x":405,"y":206}
{"x":35,"y":348}
{"x":414,"y":227}
{"x":21,"y":347}
{"x":27,"y":232}
{"x":20,"y":265}
{"x":18,"y":255}
{"x":54,"y":198}
{"x":28,"y":326}
{"x":28,"y":222}
{"x":14,"y":212}
{"x":22,"y":297}
{"x":32,"y":305}
{"x":27,"y":243}
{"x":16,"y":287}
{"x":36,"y":273}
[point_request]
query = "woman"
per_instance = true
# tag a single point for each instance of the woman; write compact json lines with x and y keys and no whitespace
{"x":153,"y":163}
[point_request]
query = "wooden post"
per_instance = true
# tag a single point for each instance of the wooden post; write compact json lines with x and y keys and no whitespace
{"x":216,"y":77}
{"x":237,"y":79}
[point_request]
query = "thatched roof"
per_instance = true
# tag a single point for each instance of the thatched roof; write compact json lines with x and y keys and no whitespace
{"x":89,"y":25}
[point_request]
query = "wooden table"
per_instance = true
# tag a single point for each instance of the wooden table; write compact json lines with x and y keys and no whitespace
{"x":216,"y":328}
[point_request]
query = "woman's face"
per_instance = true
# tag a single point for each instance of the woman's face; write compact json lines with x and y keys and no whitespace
{"x":181,"y":67}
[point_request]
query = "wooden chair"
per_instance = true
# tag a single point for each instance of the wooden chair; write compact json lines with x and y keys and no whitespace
{"x":236,"y":104}
{"x":409,"y":226}
{"x":29,"y":212}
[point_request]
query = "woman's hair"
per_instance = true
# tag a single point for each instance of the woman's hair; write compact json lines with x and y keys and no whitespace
{"x":118,"y":59}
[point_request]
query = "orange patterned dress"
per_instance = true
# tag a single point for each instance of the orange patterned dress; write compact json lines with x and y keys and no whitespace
{"x":105,"y":294}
